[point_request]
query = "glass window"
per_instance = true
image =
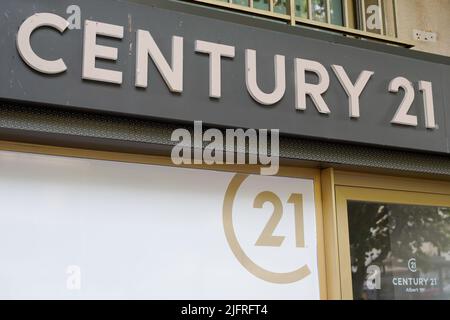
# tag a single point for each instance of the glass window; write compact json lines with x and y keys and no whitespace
{"x":261,"y":4}
{"x":319,"y":10}
{"x":377,"y":17}
{"x":301,"y":8}
{"x":399,"y":251}
{"x":241,"y":2}
{"x":281,"y":6}
{"x":326,"y":11}
{"x":336,"y":12}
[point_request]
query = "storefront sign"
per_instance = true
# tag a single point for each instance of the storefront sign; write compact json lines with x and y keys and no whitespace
{"x":149,"y":62}
{"x":393,"y":252}
{"x":161,"y":233}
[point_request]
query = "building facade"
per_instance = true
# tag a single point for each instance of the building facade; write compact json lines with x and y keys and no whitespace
{"x":119,"y":181}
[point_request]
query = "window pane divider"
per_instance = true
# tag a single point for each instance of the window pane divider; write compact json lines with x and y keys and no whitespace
{"x":292,"y":19}
{"x":328,"y":10}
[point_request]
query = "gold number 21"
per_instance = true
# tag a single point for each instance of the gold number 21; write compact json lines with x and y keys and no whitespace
{"x":267,"y":239}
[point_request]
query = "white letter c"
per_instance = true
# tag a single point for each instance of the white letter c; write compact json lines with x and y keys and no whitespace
{"x":24,"y":46}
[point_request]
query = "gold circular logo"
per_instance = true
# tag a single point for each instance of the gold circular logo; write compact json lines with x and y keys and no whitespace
{"x":274,"y":277}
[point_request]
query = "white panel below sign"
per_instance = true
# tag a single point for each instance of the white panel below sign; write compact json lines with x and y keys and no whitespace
{"x":76,"y":228}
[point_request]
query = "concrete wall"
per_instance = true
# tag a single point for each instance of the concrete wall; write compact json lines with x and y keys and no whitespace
{"x":426,"y":15}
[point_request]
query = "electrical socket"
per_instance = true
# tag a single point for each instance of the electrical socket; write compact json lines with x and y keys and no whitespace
{"x":425,"y":36}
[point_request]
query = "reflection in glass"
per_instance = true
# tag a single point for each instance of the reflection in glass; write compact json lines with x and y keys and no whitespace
{"x":409,"y":246}
{"x":241,"y":2}
{"x":281,"y":6}
{"x":301,"y":8}
{"x":261,"y":4}
{"x":336,"y":13}
{"x":319,"y":10}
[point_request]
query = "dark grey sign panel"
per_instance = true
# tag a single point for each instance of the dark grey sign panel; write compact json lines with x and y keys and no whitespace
{"x":236,"y":107}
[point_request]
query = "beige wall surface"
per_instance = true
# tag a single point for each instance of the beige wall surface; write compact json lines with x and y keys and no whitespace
{"x":425,"y":15}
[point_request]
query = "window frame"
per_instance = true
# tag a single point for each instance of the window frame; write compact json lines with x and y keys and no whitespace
{"x":291,"y":18}
{"x":331,"y":187}
{"x":376,"y":188}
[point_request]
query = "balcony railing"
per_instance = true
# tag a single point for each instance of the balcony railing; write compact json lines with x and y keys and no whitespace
{"x":364,"y":19}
